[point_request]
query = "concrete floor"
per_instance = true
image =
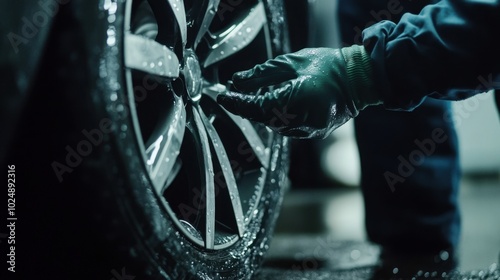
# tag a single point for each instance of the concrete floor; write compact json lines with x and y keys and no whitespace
{"x":323,"y":228}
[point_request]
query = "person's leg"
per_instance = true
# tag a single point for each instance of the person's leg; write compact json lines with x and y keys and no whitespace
{"x":410,"y":201}
{"x":410,"y":178}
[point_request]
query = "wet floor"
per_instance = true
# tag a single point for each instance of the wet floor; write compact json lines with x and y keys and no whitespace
{"x":320,"y":235}
{"x":318,"y":257}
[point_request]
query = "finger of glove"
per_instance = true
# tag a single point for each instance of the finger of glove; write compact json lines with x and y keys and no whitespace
{"x":260,"y":108}
{"x":245,"y":105}
{"x":272,"y":72}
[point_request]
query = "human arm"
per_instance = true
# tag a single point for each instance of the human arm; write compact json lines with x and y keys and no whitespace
{"x":449,"y":45}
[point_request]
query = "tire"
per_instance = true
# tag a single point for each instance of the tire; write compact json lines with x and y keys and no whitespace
{"x":164,"y":183}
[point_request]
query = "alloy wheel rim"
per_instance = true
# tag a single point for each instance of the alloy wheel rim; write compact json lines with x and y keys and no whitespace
{"x":207,"y":166}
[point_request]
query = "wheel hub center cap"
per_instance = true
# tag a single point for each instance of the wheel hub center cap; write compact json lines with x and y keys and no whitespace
{"x":192,"y":75}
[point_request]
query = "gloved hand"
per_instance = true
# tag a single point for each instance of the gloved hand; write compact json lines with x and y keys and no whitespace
{"x":315,"y":91}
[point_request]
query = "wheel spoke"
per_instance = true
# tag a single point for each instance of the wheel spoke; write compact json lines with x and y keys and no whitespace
{"x":180,"y":15}
{"x":209,"y":180}
{"x":162,"y":153}
{"x":237,"y":36}
{"x":245,"y":126}
{"x":149,"y":56}
{"x":252,"y":138}
{"x":210,"y":12}
{"x":230,"y":181}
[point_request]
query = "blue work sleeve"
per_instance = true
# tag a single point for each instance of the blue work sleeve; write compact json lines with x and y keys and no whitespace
{"x":447,"y":51}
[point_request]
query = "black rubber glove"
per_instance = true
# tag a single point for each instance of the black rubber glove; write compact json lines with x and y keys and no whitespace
{"x":314,"y":91}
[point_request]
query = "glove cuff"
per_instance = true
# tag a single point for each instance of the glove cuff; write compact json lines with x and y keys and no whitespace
{"x":359,"y":71}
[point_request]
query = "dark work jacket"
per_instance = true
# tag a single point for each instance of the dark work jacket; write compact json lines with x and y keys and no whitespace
{"x":449,"y":51}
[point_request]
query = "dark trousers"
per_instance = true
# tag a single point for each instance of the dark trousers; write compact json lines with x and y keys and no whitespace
{"x":410,"y":177}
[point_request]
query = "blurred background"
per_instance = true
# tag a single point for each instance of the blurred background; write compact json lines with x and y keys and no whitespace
{"x":325,"y":203}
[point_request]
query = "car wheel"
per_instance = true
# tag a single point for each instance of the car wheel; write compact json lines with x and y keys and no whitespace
{"x":192,"y":191}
